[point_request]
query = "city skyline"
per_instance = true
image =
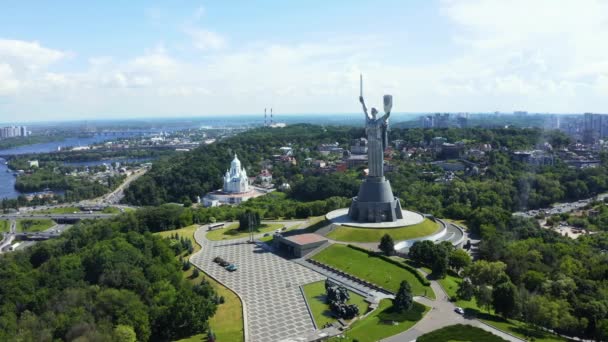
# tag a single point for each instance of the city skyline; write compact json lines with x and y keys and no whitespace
{"x":76,"y":61}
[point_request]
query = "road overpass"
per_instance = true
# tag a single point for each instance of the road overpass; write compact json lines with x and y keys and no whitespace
{"x":59,"y":218}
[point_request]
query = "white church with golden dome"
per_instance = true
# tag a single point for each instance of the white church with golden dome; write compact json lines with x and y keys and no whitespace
{"x":236,"y":187}
{"x":236,"y":180}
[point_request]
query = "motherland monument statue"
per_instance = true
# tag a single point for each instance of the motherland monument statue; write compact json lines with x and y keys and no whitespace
{"x":375,"y":201}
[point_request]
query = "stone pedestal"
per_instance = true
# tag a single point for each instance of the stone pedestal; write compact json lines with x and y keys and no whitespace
{"x":375,"y":202}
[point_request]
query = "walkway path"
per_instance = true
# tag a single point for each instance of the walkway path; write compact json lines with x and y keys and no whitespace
{"x":268,"y":284}
{"x":441,"y":315}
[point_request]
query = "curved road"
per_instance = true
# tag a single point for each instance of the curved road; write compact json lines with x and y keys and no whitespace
{"x":441,"y":315}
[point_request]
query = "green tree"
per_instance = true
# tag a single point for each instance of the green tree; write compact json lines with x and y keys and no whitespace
{"x":459,"y":259}
{"x":466,"y":290}
{"x":504,"y":299}
{"x":403,"y":299}
{"x":422,"y":252}
{"x":249,"y":220}
{"x":601,"y":330}
{"x":483,"y":295}
{"x":124,"y":333}
{"x":387,"y":245}
{"x":440,"y":259}
{"x":483,"y":272}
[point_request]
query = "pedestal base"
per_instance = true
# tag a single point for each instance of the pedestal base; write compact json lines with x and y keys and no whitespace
{"x":340,"y":217}
{"x":375,"y":202}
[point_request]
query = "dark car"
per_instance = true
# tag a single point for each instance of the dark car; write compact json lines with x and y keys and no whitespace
{"x":217,"y":260}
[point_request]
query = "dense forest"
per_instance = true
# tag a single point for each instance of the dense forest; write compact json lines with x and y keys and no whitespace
{"x":552,"y":281}
{"x":108,"y":280}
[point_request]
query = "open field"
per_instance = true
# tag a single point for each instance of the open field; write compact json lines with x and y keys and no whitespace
{"x":315,"y":295}
{"x":34,"y":225}
{"x":227,"y":323}
{"x":372,"y":269}
{"x":5,"y":225}
{"x":353,"y":234}
{"x":383,"y":322}
{"x":231,"y":231}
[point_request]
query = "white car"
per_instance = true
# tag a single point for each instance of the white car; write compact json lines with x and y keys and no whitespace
{"x":459,"y":310}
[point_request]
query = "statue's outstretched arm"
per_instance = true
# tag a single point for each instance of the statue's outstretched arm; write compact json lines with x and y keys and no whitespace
{"x":364,"y":107}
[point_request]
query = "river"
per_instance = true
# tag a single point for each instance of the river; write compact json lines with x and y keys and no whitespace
{"x":68,"y":142}
{"x":7,"y":179}
{"x":7,"y":182}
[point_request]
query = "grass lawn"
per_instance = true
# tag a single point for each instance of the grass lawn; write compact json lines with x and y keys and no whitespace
{"x":353,"y":234}
{"x":379,"y":324}
{"x":372,"y":269}
{"x":450,"y":284}
{"x":5,"y":225}
{"x":34,"y":225}
{"x":460,"y":332}
{"x":111,"y":210}
{"x":227,"y":323}
{"x":231,"y":231}
{"x":315,"y":295}
{"x":59,"y":210}
{"x":519,"y":329}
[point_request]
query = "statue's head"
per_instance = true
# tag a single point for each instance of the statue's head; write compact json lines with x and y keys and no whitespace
{"x":374,"y":112}
{"x":388,"y":103}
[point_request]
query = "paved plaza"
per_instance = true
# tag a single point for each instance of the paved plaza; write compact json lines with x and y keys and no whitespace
{"x":269,"y":285}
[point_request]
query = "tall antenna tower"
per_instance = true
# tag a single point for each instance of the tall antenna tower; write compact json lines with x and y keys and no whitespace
{"x":265,"y":118}
{"x":271,"y":116}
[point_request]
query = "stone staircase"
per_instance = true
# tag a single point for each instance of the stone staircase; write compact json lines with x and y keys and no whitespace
{"x":351,"y":282}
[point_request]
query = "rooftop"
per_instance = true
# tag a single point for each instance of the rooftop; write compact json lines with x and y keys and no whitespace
{"x":304,"y":239}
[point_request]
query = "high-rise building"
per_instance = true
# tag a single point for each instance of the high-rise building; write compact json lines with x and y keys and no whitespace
{"x":13,"y":131}
{"x":595,"y":127}
{"x":442,"y":120}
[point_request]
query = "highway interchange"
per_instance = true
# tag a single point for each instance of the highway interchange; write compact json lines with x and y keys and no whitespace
{"x":63,"y":220}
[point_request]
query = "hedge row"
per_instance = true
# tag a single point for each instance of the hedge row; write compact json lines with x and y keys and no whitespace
{"x":412,"y":270}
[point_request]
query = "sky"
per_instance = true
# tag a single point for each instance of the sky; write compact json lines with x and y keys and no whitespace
{"x":85,"y":60}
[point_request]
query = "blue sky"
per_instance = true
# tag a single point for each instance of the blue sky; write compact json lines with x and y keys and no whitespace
{"x":85,"y":60}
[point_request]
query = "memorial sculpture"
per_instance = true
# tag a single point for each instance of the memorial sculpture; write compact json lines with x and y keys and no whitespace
{"x":337,"y":296}
{"x":375,"y":201}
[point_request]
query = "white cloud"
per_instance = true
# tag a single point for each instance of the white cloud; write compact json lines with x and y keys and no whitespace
{"x":205,"y":40}
{"x":30,"y":55}
{"x":8,"y":83}
{"x":537,"y":56}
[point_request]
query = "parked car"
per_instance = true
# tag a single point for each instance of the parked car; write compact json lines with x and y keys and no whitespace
{"x":231,"y":267}
{"x":224,"y":263}
{"x":459,"y":310}
{"x":217,"y":260}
